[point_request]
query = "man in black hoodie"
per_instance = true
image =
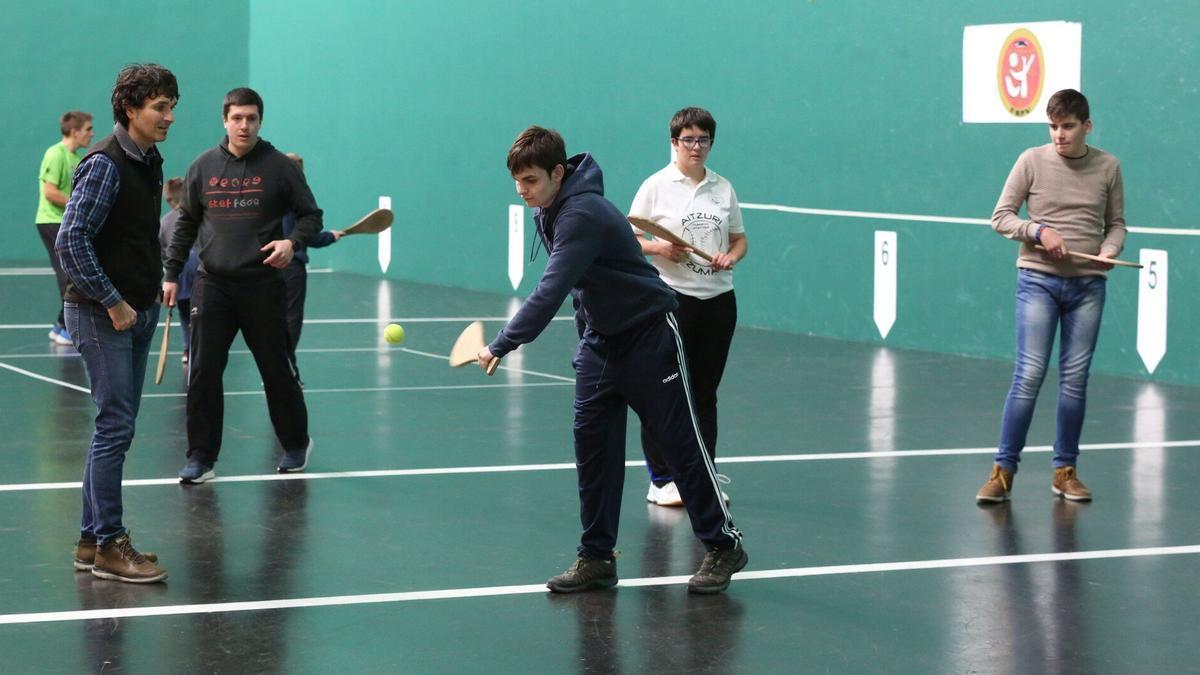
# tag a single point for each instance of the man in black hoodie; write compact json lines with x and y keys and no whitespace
{"x":234,"y":200}
{"x":630,"y":355}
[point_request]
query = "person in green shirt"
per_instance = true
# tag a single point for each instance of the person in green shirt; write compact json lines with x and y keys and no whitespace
{"x":54,"y":188}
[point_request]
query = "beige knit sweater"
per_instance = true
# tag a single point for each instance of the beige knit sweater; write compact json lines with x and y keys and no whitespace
{"x":1083,"y":199}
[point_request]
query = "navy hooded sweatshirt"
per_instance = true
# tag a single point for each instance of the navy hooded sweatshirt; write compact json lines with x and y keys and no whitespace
{"x":233,"y":206}
{"x":595,"y":258}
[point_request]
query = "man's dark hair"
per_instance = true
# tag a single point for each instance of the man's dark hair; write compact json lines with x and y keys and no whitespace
{"x":138,"y":83}
{"x":242,"y":96}
{"x":693,"y":117}
{"x":297,"y":159}
{"x":73,"y":120}
{"x":1067,"y":102}
{"x":173,"y":191}
{"x":537,"y":147}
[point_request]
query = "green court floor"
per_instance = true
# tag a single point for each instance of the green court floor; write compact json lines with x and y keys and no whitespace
{"x":438,"y":501}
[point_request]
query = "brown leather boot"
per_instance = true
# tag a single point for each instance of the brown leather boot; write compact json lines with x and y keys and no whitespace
{"x":120,"y":561}
{"x":85,"y":554}
{"x":997,"y":487}
{"x":1067,"y":485}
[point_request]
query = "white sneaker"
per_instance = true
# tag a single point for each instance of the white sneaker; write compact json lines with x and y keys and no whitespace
{"x":667,"y":495}
{"x":60,"y":336}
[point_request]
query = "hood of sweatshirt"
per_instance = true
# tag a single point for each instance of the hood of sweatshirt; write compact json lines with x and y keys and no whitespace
{"x":595,"y":258}
{"x":583,"y":176}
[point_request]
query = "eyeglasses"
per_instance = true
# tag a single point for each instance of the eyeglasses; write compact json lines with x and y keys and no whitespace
{"x":695,"y":142}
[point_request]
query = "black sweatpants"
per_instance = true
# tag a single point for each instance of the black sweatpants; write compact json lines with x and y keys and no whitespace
{"x":295,"y":279}
{"x":220,"y":308}
{"x":707,"y":328}
{"x":49,"y":232}
{"x":644,"y":369}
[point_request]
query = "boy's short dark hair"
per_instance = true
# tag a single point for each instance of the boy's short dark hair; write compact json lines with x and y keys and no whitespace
{"x":693,"y":117}
{"x":73,"y":120}
{"x":537,"y":147}
{"x":173,"y":191}
{"x":242,"y":96}
{"x":1067,"y":102}
{"x":138,"y":83}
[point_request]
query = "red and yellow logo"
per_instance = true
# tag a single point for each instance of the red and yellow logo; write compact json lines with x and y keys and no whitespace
{"x":1021,"y":72}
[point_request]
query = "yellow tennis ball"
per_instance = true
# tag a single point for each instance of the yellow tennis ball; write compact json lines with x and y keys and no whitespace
{"x":394,"y":333}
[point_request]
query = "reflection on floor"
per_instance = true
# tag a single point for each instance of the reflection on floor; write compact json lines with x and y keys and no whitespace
{"x":438,"y":501}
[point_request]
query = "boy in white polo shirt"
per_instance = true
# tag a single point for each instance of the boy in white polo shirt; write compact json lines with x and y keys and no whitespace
{"x":700,"y":206}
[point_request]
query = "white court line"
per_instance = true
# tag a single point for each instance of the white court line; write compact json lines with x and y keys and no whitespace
{"x":43,"y":378}
{"x":864,"y":214}
{"x":500,"y":367}
{"x":912,"y":217}
{"x":560,"y":380}
{"x":564,"y":466}
{"x":937,"y":452}
{"x":307,"y":322}
{"x":348,"y":390}
{"x":25,"y":271}
{"x":43,"y":271}
{"x":427,"y":319}
{"x":529,"y":589}
{"x":68,"y":353}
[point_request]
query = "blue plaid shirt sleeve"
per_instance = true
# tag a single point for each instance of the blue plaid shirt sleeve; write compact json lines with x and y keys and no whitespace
{"x":96,"y":184}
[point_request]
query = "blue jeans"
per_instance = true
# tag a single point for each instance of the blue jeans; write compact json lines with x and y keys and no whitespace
{"x":116,"y":368}
{"x":1044,"y":301}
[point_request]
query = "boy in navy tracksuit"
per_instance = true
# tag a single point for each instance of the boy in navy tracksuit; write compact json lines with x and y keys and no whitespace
{"x":630,"y":355}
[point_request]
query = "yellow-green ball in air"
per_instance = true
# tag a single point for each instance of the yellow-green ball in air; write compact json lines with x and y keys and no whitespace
{"x":394,"y":333}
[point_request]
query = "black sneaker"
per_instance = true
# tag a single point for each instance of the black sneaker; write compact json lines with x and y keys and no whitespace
{"x":295,"y":460}
{"x":716,"y":569}
{"x":196,"y":472}
{"x":585,"y":574}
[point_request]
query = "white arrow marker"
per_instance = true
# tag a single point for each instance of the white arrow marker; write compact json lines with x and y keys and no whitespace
{"x":385,"y":238}
{"x":1152,"y":307}
{"x":516,"y":244}
{"x":885,"y":281}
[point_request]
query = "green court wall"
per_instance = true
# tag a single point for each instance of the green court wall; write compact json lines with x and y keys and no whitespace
{"x":836,"y":105}
{"x":65,"y":55}
{"x":846,"y":105}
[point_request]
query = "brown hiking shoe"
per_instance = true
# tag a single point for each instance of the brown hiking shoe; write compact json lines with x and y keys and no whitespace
{"x":120,"y":561}
{"x":85,"y":554}
{"x":1067,"y":485}
{"x":997,"y":487}
{"x":716,"y":570}
{"x":585,"y":574}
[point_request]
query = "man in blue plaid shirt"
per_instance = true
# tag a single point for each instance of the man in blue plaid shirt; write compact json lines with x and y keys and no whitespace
{"x":108,"y":246}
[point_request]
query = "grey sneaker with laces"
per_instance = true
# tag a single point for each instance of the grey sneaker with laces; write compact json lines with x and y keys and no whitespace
{"x":585,"y":574}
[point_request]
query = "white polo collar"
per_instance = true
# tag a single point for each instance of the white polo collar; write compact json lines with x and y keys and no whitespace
{"x":679,"y":177}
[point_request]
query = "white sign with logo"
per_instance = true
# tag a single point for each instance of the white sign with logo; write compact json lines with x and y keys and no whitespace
{"x":1010,"y":70}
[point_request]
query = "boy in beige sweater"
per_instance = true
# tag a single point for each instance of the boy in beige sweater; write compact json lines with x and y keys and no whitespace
{"x":1076,"y":202}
